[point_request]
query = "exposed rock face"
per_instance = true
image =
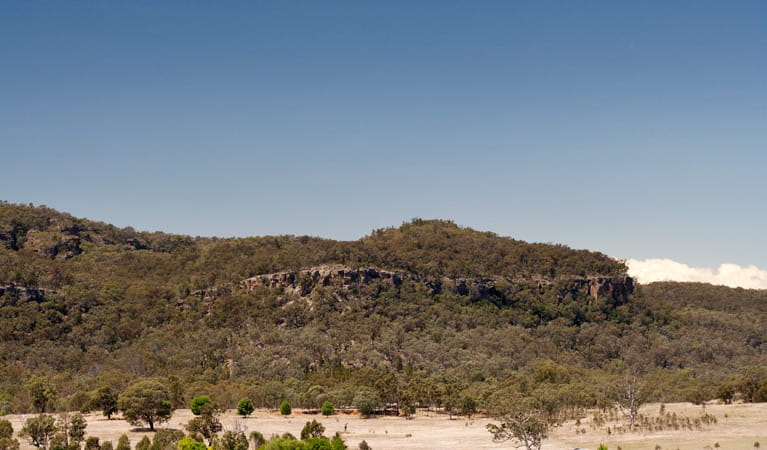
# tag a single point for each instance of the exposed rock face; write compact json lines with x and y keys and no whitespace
{"x":303,"y":282}
{"x":54,"y":245}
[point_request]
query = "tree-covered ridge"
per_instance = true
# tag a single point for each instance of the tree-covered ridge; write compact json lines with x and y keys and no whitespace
{"x":133,"y":304}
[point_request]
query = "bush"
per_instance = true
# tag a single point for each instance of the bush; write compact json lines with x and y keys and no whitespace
{"x":312,"y":429}
{"x":123,"y":443}
{"x":257,"y":439}
{"x":167,"y":438}
{"x":6,"y":429}
{"x":144,"y":444}
{"x":285,"y":408}
{"x":92,"y":443}
{"x":364,"y":446}
{"x":198,"y":402}
{"x":327,"y":409}
{"x":245,"y":407}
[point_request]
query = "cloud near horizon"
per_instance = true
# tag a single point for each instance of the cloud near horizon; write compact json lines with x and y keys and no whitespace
{"x":733,"y":275}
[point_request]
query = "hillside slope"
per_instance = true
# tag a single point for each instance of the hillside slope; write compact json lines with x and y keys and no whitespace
{"x":87,"y":304}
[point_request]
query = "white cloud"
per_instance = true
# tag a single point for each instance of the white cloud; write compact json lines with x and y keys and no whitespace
{"x":733,"y":275}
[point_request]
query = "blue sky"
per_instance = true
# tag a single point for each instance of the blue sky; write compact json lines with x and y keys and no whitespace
{"x":635,"y":128}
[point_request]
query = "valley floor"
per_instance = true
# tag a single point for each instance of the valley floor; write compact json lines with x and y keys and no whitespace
{"x":738,"y":426}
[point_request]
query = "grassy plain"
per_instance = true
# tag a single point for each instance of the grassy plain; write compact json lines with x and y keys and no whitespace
{"x":738,"y":427}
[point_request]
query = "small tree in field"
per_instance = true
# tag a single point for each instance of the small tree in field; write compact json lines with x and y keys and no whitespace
{"x":147,"y":401}
{"x":198,"y":402}
{"x":285,"y":408}
{"x":312,"y":429}
{"x":106,"y":400}
{"x":245,"y":407}
{"x":525,"y":424}
{"x":327,"y":409}
{"x":39,"y":430}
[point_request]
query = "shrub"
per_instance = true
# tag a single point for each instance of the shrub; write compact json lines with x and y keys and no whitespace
{"x":198,"y":402}
{"x":312,"y":429}
{"x":245,"y":407}
{"x":327,"y":409}
{"x":285,"y":408}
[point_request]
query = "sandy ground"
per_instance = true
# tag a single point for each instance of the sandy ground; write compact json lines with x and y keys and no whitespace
{"x":742,"y":426}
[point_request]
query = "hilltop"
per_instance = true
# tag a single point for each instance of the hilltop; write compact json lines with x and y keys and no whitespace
{"x":428,"y":312}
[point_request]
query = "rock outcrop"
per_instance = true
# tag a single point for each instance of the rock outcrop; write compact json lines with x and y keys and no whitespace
{"x":25,"y":292}
{"x":303,"y":282}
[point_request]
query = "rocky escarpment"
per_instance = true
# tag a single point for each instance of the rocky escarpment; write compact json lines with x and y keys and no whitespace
{"x":303,"y":282}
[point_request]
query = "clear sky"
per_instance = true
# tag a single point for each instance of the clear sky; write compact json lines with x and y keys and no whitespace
{"x":635,"y":128}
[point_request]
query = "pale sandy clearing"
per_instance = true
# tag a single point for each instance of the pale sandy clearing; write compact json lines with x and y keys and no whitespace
{"x":745,"y":424}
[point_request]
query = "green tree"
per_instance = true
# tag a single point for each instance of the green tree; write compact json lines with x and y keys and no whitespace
{"x":245,"y":407}
{"x":6,"y":429}
{"x":198,"y":402}
{"x":312,"y":429}
{"x":232,"y":440}
{"x":144,"y":444}
{"x":316,"y":443}
{"x":468,"y":406}
{"x":337,"y":443}
{"x":327,"y":409}
{"x":285,"y":408}
{"x":106,"y":400}
{"x":207,"y":423}
{"x":9,"y":444}
{"x":366,"y":401}
{"x":257,"y":439}
{"x":42,"y":392}
{"x":525,"y":425}
{"x":107,"y":445}
{"x":6,"y":436}
{"x":76,"y":429}
{"x":188,"y":443}
{"x":146,"y":400}
{"x":123,"y":443}
{"x":167,"y":438}
{"x":39,"y":430}
{"x":92,"y":443}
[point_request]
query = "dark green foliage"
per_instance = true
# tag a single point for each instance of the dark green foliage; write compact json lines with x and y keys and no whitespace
{"x":144,"y":444}
{"x":245,"y":407}
{"x":207,"y":422}
{"x":337,"y":443}
{"x":146,"y":400}
{"x":6,"y":429}
{"x":42,"y":392}
{"x":198,"y":402}
{"x":39,"y":430}
{"x":366,"y":400}
{"x":167,"y":438}
{"x":327,"y":409}
{"x":232,"y":440}
{"x":9,"y":444}
{"x":316,"y":443}
{"x":285,"y":408}
{"x":257,"y":439}
{"x":123,"y":443}
{"x":107,"y":445}
{"x":106,"y":400}
{"x":92,"y":443}
{"x":312,"y":429}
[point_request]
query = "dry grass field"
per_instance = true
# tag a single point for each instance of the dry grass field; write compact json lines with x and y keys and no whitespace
{"x":738,"y":427}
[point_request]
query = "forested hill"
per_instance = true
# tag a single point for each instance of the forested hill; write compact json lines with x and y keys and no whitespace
{"x":85,"y":304}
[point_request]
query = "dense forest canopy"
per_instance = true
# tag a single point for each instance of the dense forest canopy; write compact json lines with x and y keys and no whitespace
{"x":85,"y":306}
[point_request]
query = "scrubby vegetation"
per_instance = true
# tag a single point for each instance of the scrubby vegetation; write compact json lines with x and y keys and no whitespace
{"x":89,"y":311}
